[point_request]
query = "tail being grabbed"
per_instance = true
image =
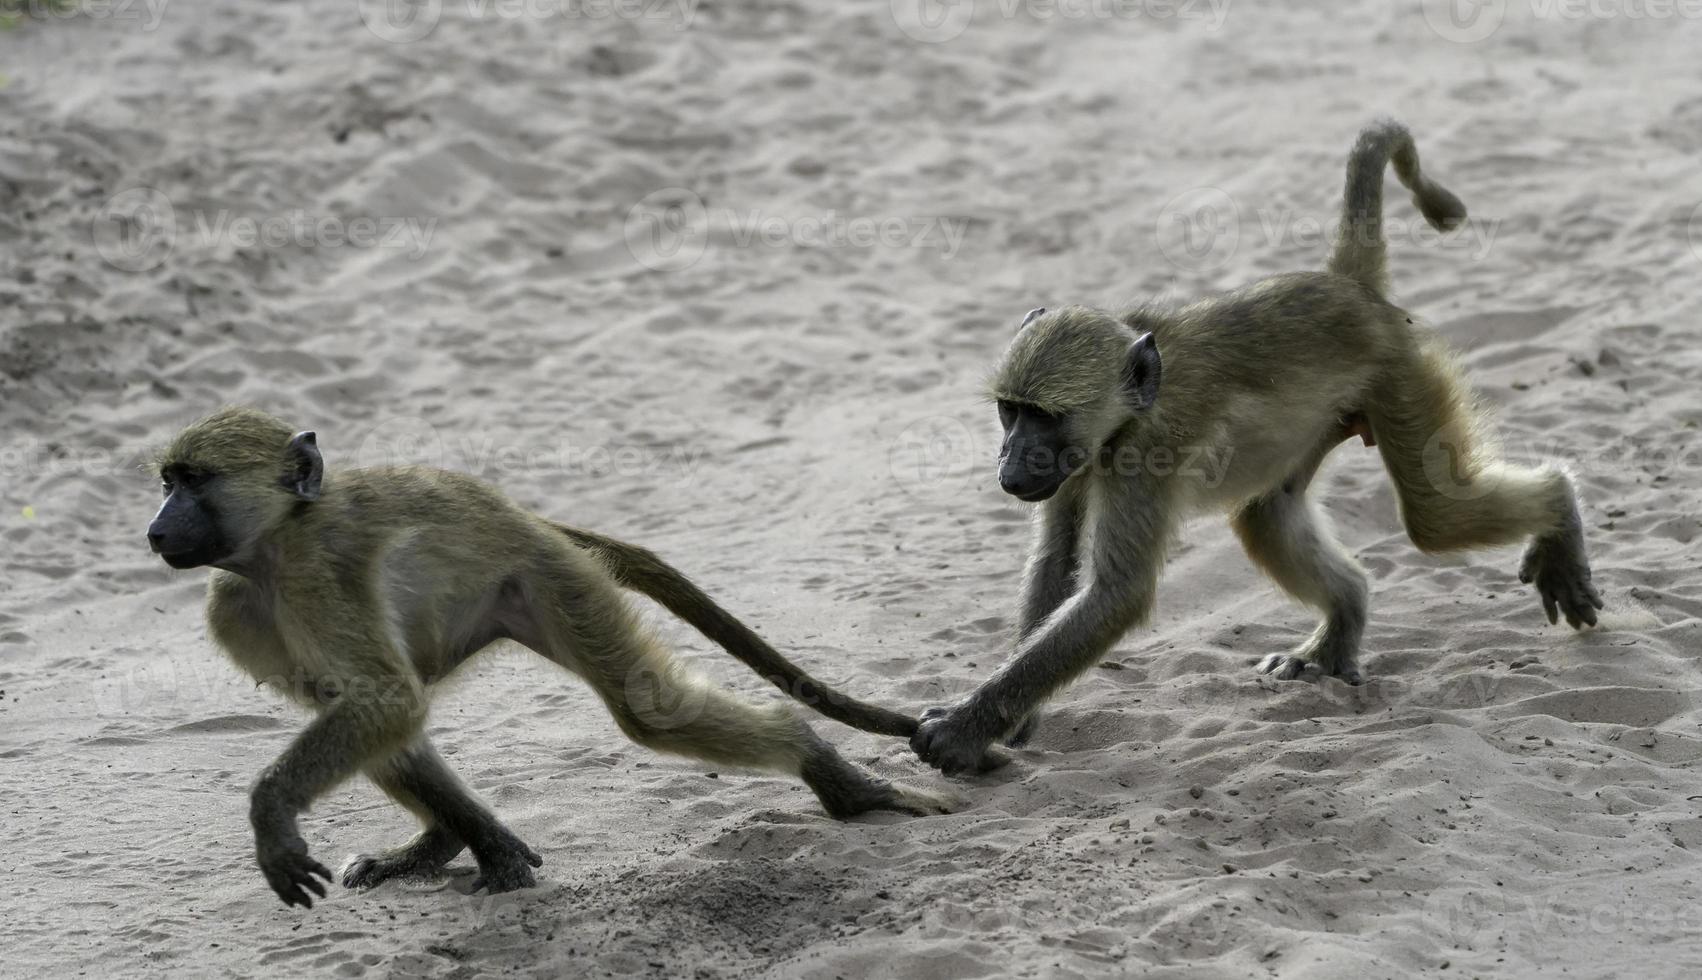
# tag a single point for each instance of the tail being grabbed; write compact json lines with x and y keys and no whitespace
{"x":642,"y":571}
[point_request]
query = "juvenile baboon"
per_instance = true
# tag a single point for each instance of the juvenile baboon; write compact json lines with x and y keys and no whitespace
{"x":355,"y":591}
{"x":1263,"y":382}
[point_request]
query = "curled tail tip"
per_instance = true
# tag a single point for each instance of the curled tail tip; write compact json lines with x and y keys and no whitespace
{"x":1384,"y":126}
{"x":1440,"y":206}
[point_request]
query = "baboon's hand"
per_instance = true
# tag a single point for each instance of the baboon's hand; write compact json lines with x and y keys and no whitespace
{"x":949,"y":740}
{"x":288,"y":869}
{"x":507,"y":867}
{"x":1562,"y":576}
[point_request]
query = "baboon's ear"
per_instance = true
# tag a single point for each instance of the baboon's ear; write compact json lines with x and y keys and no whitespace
{"x":1141,"y":372}
{"x":1032,"y":316}
{"x":305,"y":468}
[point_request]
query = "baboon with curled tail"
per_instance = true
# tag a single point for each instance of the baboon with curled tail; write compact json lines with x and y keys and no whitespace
{"x":1269,"y":378}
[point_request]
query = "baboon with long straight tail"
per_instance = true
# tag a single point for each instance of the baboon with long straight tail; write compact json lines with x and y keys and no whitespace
{"x":1261,"y":384}
{"x":355,"y":591}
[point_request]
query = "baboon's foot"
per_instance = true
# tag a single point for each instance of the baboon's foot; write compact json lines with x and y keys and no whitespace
{"x":1331,"y":651}
{"x":907,"y":799}
{"x":505,"y":863}
{"x":845,"y":790}
{"x":1292,"y":667}
{"x":1556,"y":564}
{"x":423,"y":857}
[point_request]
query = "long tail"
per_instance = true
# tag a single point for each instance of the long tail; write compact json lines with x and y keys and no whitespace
{"x":1361,"y":252}
{"x":642,"y":571}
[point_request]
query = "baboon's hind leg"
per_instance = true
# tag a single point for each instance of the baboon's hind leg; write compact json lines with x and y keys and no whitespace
{"x":1455,"y":493}
{"x":662,"y":705}
{"x":1288,"y":539}
{"x":419,"y":779}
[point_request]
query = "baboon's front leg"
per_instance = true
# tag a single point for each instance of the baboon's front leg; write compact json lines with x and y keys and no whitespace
{"x":955,"y":739}
{"x":1049,"y":580}
{"x":1126,"y":558}
{"x":355,"y":729}
{"x":420,"y":780}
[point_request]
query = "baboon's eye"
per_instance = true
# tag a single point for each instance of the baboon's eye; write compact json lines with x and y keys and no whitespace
{"x":179,"y":477}
{"x":1007,"y":413}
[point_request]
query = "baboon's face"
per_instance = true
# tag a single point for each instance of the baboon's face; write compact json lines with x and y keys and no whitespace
{"x":1070,"y":381}
{"x":1039,"y":451}
{"x":187,"y":532}
{"x":229,"y":481}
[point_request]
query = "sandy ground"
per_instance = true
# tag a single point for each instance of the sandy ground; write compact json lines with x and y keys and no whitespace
{"x":724,"y":278}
